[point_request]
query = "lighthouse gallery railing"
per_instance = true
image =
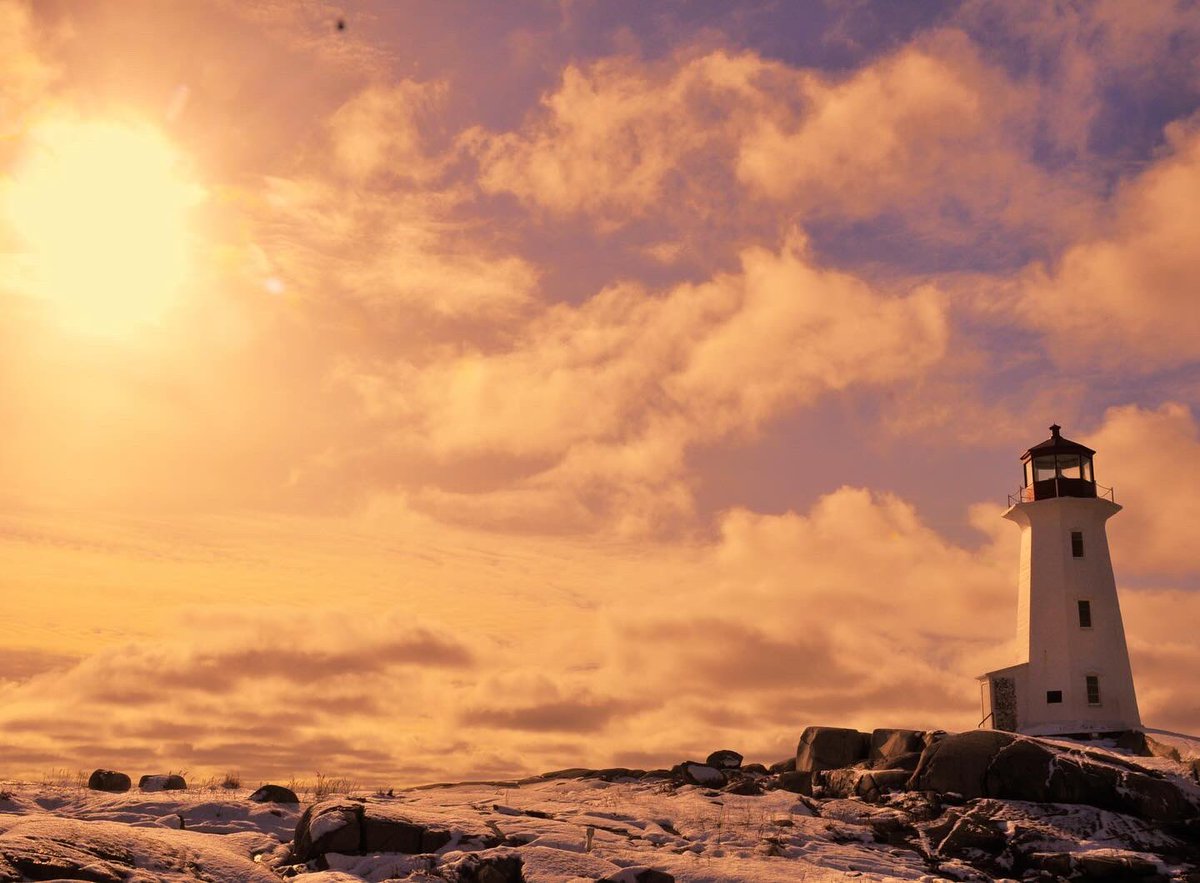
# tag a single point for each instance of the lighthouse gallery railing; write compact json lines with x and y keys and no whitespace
{"x":1026,"y":494}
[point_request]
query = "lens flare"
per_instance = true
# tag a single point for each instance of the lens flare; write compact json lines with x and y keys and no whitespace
{"x":100,"y":213}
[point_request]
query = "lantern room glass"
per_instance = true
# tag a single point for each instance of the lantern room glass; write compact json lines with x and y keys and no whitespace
{"x":1043,"y":468}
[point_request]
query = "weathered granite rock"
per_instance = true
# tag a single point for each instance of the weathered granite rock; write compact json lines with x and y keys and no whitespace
{"x":830,"y":748}
{"x":701,"y":774}
{"x":724,"y":759}
{"x":898,"y":762}
{"x":328,"y":826}
{"x":887,"y":744}
{"x":109,"y":780}
{"x":958,"y":764}
{"x":169,"y":782}
{"x":795,"y":782}
{"x":986,"y":763}
{"x":357,"y":827}
{"x":615,"y":774}
{"x":970,"y":834}
{"x":497,"y":866}
{"x":783,"y":766}
{"x":868,"y":785}
{"x":274,"y":794}
{"x":746,"y":787}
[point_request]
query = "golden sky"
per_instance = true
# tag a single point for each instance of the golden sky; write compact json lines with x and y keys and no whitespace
{"x":484,"y":389}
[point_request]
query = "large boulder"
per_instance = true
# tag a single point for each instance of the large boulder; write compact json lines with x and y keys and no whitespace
{"x":355,"y":827}
{"x":830,"y":748}
{"x":887,"y":744}
{"x":724,"y":759}
{"x":109,"y":780}
{"x":701,"y":774}
{"x":167,"y":782}
{"x":328,"y":826}
{"x":987,"y":763}
{"x":795,"y":782}
{"x":274,"y":794}
{"x":958,"y":764}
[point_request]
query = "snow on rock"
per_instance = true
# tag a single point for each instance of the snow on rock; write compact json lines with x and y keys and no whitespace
{"x":169,"y":782}
{"x":628,"y":830}
{"x":44,"y":847}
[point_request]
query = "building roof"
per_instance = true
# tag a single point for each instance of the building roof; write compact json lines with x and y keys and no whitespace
{"x":1056,"y":444}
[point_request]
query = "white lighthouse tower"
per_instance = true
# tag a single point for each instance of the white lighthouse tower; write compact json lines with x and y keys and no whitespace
{"x":1072,"y":675}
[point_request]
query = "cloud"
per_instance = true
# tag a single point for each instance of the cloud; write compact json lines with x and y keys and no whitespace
{"x":592,"y":402}
{"x":1152,"y":459}
{"x":584,"y":715}
{"x":930,"y":133}
{"x":1126,"y":297}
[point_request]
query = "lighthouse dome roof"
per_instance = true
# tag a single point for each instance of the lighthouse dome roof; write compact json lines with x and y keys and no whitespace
{"x":1056,"y":444}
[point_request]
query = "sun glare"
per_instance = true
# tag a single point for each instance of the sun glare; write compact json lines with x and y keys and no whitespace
{"x":100,"y":211}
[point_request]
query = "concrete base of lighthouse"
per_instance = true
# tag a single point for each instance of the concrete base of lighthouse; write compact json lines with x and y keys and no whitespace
{"x":1006,"y":703}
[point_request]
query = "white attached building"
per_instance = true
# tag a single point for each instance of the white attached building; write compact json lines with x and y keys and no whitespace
{"x":1072,"y":675}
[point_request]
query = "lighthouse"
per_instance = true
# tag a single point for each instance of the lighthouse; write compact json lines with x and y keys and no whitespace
{"x":1072,"y":674}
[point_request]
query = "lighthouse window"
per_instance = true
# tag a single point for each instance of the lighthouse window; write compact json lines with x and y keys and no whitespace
{"x":1093,"y":690}
{"x":1043,"y":468}
{"x":1053,"y":696}
{"x":1068,"y":466}
{"x":1076,"y":544}
{"x":1085,"y":614}
{"x":1087,"y":469}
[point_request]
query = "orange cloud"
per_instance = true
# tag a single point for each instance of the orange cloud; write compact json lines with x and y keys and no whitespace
{"x":1126,"y":296}
{"x":930,"y":132}
{"x":611,"y":394}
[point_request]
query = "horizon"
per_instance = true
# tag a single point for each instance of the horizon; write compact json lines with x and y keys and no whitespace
{"x":444,"y":391}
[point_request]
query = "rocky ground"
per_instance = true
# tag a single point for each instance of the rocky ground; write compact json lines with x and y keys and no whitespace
{"x":891,"y":805}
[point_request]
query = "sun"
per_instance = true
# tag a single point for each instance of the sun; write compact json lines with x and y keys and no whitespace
{"x":100,"y":214}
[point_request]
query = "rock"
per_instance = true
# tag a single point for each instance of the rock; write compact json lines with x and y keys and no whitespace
{"x":1020,"y":770}
{"x":877,"y":784}
{"x":958,"y":764}
{"x":357,"y":827}
{"x":987,"y":763}
{"x":868,"y":785}
{"x":701,"y":774}
{"x":724,"y":759}
{"x":783,"y":766}
{"x":169,"y":782}
{"x":887,"y":744}
{"x":971,"y":834}
{"x":898,"y":762}
{"x":830,"y":748}
{"x":109,"y":780}
{"x":498,"y":867}
{"x":639,"y":874}
{"x":274,"y":794}
{"x":44,"y":847}
{"x":795,"y":782}
{"x":328,"y":826}
{"x":744,"y":787}
{"x":757,"y":769}
{"x":570,"y":773}
{"x":614,"y":774}
{"x":1106,"y":866}
{"x":1056,"y":863}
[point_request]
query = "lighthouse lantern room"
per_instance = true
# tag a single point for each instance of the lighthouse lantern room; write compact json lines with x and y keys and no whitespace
{"x":1072,"y":675}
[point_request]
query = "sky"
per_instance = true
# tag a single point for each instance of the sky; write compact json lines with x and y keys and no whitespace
{"x":478,"y":389}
